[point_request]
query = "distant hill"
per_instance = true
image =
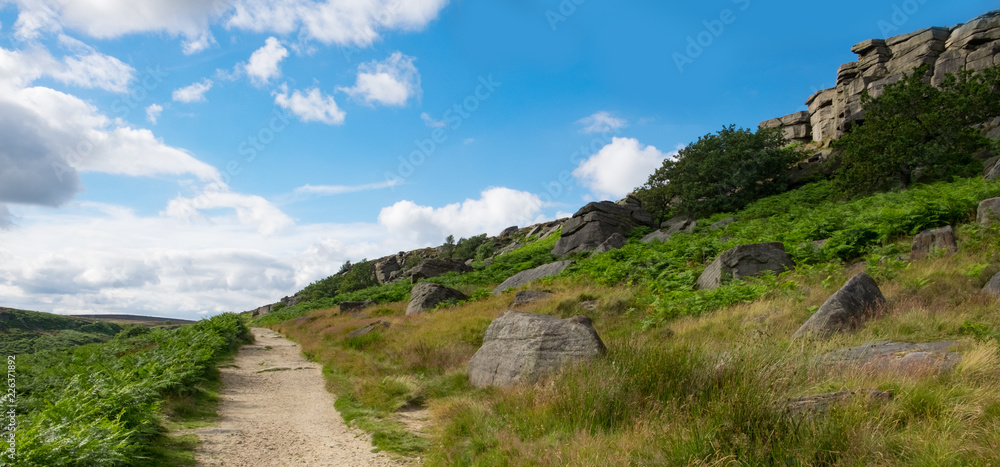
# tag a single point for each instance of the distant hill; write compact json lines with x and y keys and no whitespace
{"x":24,"y":331}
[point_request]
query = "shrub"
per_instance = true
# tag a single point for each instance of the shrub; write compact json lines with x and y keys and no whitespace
{"x":720,"y":172}
{"x":914,"y":132}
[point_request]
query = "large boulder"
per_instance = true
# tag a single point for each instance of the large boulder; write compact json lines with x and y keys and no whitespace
{"x":521,"y":347}
{"x":855,"y":302}
{"x":988,"y":211}
{"x":435,"y":267}
{"x":532,"y":275}
{"x":426,"y":295}
{"x":935,"y":239}
{"x":596,"y":222}
{"x":896,"y":357}
{"x":746,"y":261}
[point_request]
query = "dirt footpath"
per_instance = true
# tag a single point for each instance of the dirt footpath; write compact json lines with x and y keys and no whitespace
{"x":276,"y":411}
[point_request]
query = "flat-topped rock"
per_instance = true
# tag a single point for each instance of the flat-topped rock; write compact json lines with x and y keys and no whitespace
{"x":925,"y":242}
{"x":526,"y":297}
{"x":896,"y":357}
{"x":745,"y":261}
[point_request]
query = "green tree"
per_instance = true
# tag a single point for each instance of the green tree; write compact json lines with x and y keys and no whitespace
{"x":448,"y":248}
{"x":914,"y":131}
{"x":720,"y":172}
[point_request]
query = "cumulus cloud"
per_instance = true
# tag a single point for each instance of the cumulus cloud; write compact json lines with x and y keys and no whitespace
{"x":264,"y":63}
{"x":193,"y":93}
{"x":495,"y":210}
{"x":87,"y":68}
{"x":601,"y":122}
{"x":391,"y":82}
{"x":619,"y":167}
{"x":153,"y":113}
{"x":250,"y":209}
{"x":312,"y":106}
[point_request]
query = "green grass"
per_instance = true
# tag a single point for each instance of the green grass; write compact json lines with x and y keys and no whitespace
{"x":701,"y":377}
{"x":24,"y":332}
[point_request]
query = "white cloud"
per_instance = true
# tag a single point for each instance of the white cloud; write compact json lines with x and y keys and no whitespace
{"x":391,"y":82}
{"x":601,"y":122}
{"x":264,"y":63}
{"x":429,"y":121}
{"x":313,"y":106}
{"x":153,"y":113}
{"x":193,"y":93}
{"x":495,"y":210}
{"x":341,"y":189}
{"x":619,"y":168}
{"x":250,"y":210}
{"x":86,"y":69}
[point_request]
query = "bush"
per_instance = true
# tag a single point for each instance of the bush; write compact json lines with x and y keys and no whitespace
{"x":916,"y":132}
{"x":720,"y":172}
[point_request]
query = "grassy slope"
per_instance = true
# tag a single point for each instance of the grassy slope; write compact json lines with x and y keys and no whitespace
{"x":698,"y":377}
{"x":24,"y":332}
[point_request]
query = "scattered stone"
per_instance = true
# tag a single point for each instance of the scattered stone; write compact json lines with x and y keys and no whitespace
{"x":526,"y":297}
{"x":988,"y":211}
{"x":821,"y":403}
{"x":614,"y":242}
{"x":678,"y":224}
{"x":531,"y":275}
{"x":659,"y":235}
{"x":521,"y":347}
{"x":589,"y":305}
{"x":596,"y":222}
{"x":427,"y":295}
{"x":858,"y":300}
{"x":378,"y":325}
{"x":896,"y":357}
{"x":722,"y":223}
{"x":992,"y":171}
{"x":746,"y":261}
{"x":510,"y":248}
{"x":993,"y":286}
{"x":435,"y":267}
{"x":346,"y":307}
{"x":936,"y":239}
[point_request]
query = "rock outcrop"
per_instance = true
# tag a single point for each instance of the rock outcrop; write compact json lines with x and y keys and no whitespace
{"x":614,"y":242}
{"x":526,"y":297}
{"x":988,"y":211}
{"x":427,"y":295}
{"x":896,"y":357}
{"x":669,"y":227}
{"x":531,"y":275}
{"x":971,"y":46}
{"x":745,"y":261}
{"x":935,"y":239}
{"x":429,"y":268}
{"x":596,"y":222}
{"x":858,"y":300}
{"x":521,"y":347}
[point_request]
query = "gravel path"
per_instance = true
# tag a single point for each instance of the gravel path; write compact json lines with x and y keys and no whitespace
{"x":275,"y":410}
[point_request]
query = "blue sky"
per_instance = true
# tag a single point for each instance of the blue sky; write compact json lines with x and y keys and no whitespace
{"x":185,"y":157}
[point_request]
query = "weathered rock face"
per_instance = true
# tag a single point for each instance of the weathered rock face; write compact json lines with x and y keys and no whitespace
{"x":745,"y":261}
{"x":993,"y":286}
{"x":435,"y":267}
{"x":347,"y":307}
{"x":936,"y":239}
{"x":525,"y":297}
{"x":614,"y":242}
{"x":376,"y":326}
{"x":988,"y":211}
{"x":596,"y":222}
{"x":260,"y":311}
{"x":521,"y":347}
{"x":426,"y":295}
{"x":896,"y":357}
{"x":532,"y":275}
{"x":857,"y":301}
{"x":971,"y":46}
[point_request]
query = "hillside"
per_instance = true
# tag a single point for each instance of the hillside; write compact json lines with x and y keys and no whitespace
{"x":24,"y":332}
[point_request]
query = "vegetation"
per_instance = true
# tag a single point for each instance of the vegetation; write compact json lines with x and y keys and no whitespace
{"x":700,"y":377}
{"x":720,"y":172}
{"x":915,"y":132}
{"x":102,"y":404}
{"x":23,"y":332}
